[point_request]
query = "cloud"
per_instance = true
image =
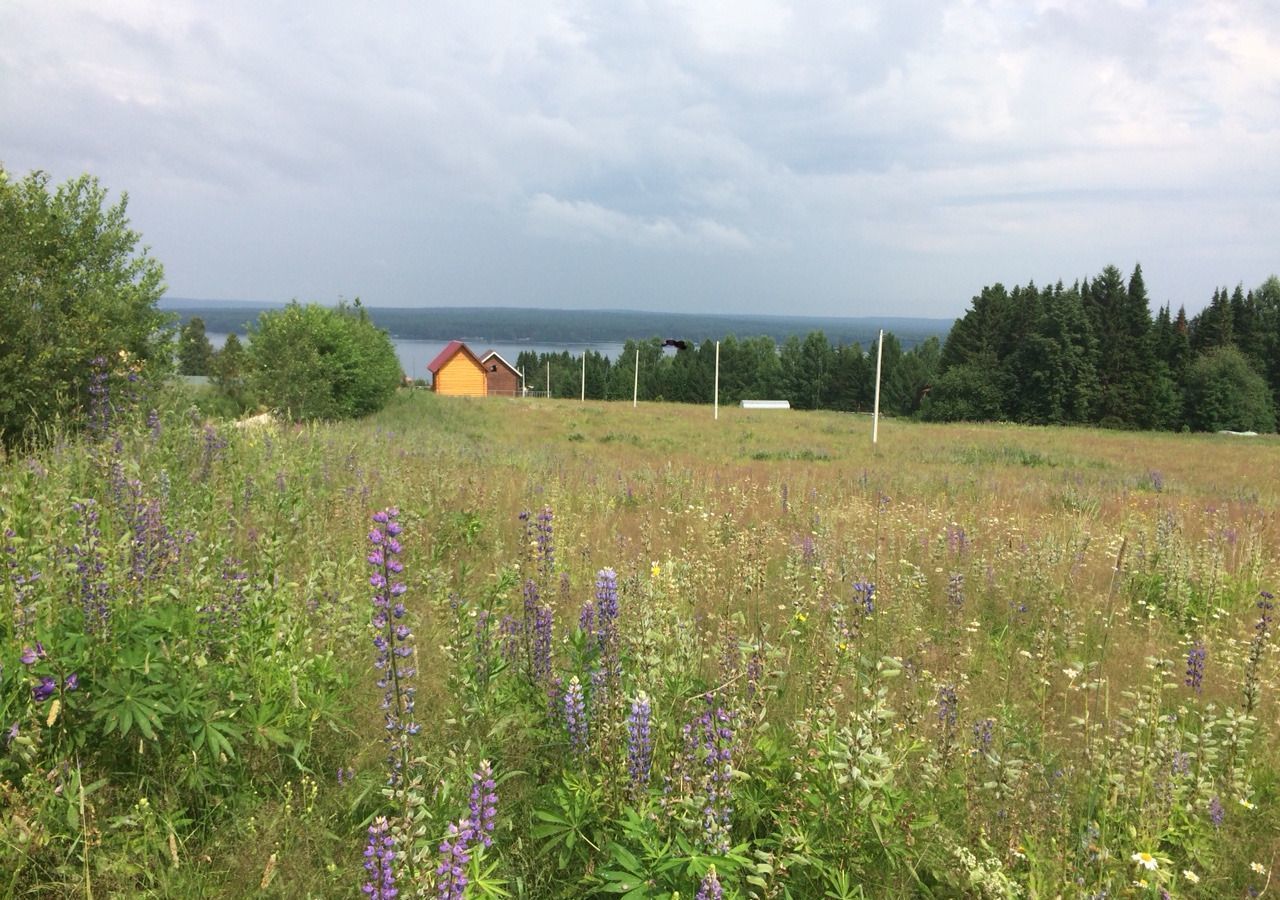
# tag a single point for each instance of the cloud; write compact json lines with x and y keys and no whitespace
{"x":892,"y":153}
{"x":582,"y":220}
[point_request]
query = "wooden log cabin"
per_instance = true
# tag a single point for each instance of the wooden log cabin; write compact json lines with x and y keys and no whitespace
{"x":456,"y":372}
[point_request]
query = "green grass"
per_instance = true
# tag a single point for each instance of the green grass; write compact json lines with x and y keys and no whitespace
{"x":1011,"y":718}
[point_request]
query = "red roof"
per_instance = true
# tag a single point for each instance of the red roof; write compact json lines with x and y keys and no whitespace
{"x":451,"y":349}
{"x":484,"y":358}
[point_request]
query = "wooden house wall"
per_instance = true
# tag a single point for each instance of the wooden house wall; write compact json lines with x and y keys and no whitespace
{"x":461,"y":377}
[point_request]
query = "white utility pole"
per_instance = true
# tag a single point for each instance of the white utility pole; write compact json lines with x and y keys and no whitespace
{"x":875,"y":416}
{"x":717,"y":394}
{"x":635,"y":385}
{"x":548,"y":379}
{"x":584,"y":376}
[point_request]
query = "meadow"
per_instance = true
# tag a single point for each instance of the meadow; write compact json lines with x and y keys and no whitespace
{"x":547,"y":649}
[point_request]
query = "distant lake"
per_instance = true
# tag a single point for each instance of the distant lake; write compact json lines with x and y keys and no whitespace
{"x":415,"y":354}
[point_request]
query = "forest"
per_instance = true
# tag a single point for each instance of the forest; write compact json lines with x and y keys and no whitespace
{"x":1088,"y":354}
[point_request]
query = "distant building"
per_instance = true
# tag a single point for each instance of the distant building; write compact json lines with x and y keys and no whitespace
{"x":502,"y":378}
{"x":456,"y":372}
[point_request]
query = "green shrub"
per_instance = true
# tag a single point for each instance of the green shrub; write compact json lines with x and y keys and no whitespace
{"x":1225,"y":393}
{"x":74,"y":287}
{"x":316,"y":362}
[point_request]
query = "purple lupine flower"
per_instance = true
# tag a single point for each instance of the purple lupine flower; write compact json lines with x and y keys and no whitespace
{"x":710,"y":888}
{"x":1261,"y":632}
{"x":72,"y":681}
{"x":1195,"y":667}
{"x":391,"y":640}
{"x":31,"y":654}
{"x":45,"y":689}
{"x":955,"y":590}
{"x":153,"y":423}
{"x":606,"y":625}
{"x":211,"y":449}
{"x":91,"y":567}
{"x":947,"y":707}
{"x":483,"y":804}
{"x":99,"y":397}
{"x":864,"y":595}
{"x":983,"y":733}
{"x":706,"y":772}
{"x":1216,"y":811}
{"x":510,"y":638}
{"x":546,"y":548}
{"x":379,"y":860}
{"x":575,"y":716}
{"x":606,"y":604}
{"x":220,"y":619}
{"x":153,"y":546}
{"x":455,"y":856}
{"x":808,"y":549}
{"x":467,"y":835}
{"x":639,"y":742}
{"x":22,"y":584}
{"x":540,"y":663}
{"x":555,"y":699}
{"x":526,"y":545}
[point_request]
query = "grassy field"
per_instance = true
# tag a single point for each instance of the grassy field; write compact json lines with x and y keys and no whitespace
{"x":756,"y":653}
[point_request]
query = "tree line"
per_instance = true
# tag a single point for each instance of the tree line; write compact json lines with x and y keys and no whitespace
{"x":810,"y":372}
{"x":1088,"y":354}
{"x":1093,"y":354}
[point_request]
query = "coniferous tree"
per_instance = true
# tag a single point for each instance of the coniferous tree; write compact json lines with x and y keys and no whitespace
{"x":1213,"y":326}
{"x":849,"y":388}
{"x":1128,"y":378}
{"x":195,"y":353}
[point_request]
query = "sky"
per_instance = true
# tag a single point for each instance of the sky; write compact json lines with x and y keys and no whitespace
{"x":825,"y":158}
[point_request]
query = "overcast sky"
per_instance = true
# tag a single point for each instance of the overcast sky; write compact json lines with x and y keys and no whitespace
{"x":841,"y":158}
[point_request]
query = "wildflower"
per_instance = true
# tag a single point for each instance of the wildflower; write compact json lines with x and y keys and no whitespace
{"x":379,"y":855}
{"x":708,"y":760}
{"x":864,"y":593}
{"x":483,"y":803}
{"x":461,"y":839}
{"x":545,"y":545}
{"x":1216,"y":812}
{"x":31,"y":654}
{"x":455,"y":855}
{"x":391,"y":640}
{"x":655,"y":570}
{"x":606,"y":606}
{"x":947,"y":702}
{"x":710,"y":888}
{"x":639,"y":741}
{"x":1262,"y":631}
{"x":1191,"y":876}
{"x":1146,"y":860}
{"x":44,"y":690}
{"x":575,"y":716}
{"x":1246,"y":804}
{"x":1259,"y":868}
{"x":1195,"y":667}
{"x":540,"y":664}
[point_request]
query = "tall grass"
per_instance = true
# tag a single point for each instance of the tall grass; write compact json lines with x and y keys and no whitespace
{"x":976,"y":661}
